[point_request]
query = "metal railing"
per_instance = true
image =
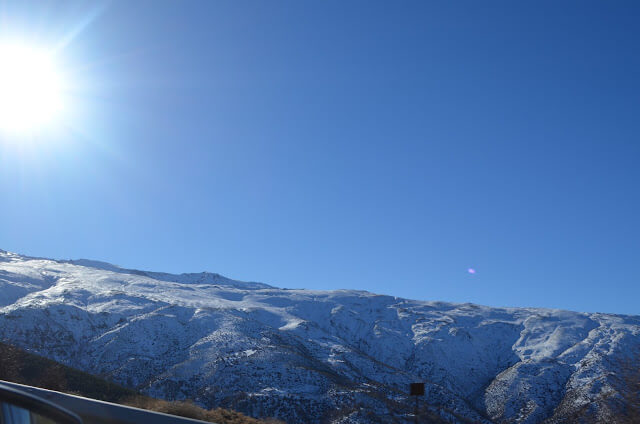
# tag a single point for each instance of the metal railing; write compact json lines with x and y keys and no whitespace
{"x":99,"y":412}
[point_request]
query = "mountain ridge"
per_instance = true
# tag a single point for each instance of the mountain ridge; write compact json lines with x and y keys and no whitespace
{"x":304,"y":354}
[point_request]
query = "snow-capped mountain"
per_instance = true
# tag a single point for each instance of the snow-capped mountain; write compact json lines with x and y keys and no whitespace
{"x":319,"y":356}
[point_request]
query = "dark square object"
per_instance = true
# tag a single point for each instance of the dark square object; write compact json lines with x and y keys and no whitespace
{"x":417,"y":389}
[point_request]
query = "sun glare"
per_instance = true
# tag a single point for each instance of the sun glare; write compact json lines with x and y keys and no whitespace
{"x":30,"y":89}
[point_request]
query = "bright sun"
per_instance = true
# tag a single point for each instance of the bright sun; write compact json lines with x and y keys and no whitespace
{"x":30,"y":88}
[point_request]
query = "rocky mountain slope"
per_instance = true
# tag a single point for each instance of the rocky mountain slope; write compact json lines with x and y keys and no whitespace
{"x":22,"y":367}
{"x":320,"y":356}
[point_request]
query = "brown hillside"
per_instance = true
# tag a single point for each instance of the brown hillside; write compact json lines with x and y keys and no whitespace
{"x":19,"y":366}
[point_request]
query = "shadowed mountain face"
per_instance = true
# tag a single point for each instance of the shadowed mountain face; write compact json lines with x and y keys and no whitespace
{"x":313,"y":356}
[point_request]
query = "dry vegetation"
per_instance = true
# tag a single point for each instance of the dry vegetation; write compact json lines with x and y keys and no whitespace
{"x":190,"y":410}
{"x":22,"y":367}
{"x":19,"y":366}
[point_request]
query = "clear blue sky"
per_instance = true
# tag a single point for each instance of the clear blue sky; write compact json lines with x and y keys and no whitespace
{"x":385,"y":146}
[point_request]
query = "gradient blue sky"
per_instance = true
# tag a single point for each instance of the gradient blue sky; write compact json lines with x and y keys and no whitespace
{"x":385,"y":146}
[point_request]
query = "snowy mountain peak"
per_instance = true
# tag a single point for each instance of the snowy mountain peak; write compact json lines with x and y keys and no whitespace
{"x":317,"y":356}
{"x":186,"y":278}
